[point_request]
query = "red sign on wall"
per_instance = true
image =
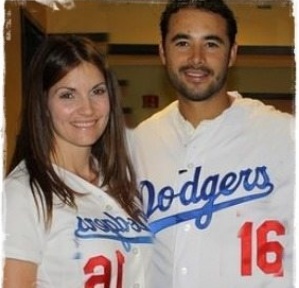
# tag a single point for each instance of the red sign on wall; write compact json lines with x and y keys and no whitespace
{"x":150,"y":101}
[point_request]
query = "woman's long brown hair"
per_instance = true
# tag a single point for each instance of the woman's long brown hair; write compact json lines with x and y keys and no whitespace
{"x":56,"y":56}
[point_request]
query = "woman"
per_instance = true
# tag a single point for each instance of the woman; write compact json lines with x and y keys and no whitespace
{"x":72,"y":215}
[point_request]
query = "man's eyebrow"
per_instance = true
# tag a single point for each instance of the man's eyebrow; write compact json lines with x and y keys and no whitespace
{"x":179,"y":36}
{"x":215,"y":38}
{"x":182,"y":36}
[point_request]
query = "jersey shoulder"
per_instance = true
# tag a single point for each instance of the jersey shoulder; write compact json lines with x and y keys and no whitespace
{"x":160,"y":118}
{"x":264,"y":116}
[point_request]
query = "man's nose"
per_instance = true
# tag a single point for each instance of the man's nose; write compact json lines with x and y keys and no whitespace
{"x":197,"y":56}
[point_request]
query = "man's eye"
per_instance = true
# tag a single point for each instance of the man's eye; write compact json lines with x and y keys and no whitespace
{"x":212,"y":45}
{"x":181,"y":44}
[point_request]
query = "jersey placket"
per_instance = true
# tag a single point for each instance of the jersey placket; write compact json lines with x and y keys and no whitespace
{"x":185,"y":229}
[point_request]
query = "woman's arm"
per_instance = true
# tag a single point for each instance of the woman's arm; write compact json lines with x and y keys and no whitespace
{"x":18,"y":273}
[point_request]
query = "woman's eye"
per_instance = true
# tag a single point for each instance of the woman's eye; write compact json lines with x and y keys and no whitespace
{"x":66,"y":95}
{"x":99,"y":91}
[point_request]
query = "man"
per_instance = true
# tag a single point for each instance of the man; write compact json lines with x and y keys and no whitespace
{"x":216,"y":170}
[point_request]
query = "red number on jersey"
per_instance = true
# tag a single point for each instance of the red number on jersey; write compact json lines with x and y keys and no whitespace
{"x":120,"y":263}
{"x":264,"y":248}
{"x":103,"y":264}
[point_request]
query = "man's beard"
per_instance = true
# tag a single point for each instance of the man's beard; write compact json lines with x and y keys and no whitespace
{"x":194,"y":93}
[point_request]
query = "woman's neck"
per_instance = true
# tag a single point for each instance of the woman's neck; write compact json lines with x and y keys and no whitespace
{"x":80,"y":163}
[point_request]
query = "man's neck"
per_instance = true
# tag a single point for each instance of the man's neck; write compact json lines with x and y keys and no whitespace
{"x":197,"y":111}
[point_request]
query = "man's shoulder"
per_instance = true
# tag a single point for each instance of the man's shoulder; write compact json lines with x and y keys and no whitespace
{"x":159,"y":118}
{"x":260,"y":109}
{"x":264,"y":117}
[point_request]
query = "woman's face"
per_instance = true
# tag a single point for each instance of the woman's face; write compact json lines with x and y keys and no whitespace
{"x":79,"y":108}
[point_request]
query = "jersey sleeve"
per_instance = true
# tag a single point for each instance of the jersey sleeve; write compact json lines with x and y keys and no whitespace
{"x":23,"y":229}
{"x":129,"y":136}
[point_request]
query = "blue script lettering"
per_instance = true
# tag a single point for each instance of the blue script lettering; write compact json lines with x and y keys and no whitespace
{"x":205,"y":192}
{"x":111,"y":227}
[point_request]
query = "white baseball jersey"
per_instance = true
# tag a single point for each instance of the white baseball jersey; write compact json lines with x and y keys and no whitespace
{"x":95,"y":246}
{"x":219,"y":198}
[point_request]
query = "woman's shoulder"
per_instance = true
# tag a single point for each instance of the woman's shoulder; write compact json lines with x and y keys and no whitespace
{"x":17,"y":181}
{"x":18,"y":174}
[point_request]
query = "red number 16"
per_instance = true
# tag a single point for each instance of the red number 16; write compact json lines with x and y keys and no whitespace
{"x":263,"y":248}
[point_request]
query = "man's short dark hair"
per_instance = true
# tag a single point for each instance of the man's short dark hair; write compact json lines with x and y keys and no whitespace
{"x":214,"y":6}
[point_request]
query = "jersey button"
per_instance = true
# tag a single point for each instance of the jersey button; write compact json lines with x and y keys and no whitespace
{"x":135,"y":251}
{"x":184,"y":271}
{"x":187,"y":227}
{"x":190,"y":165}
{"x":108,"y":207}
{"x":136,"y":285}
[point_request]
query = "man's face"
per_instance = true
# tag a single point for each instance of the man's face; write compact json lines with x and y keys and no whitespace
{"x":197,"y":53}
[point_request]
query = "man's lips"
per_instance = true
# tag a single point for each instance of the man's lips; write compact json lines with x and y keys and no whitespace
{"x":196,"y":75}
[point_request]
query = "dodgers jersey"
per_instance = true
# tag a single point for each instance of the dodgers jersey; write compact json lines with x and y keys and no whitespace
{"x":95,"y":246}
{"x":219,"y":198}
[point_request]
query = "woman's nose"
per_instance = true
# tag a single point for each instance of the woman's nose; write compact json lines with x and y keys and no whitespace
{"x":86,"y":106}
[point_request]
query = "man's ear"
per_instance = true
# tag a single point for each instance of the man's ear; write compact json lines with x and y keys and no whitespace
{"x":162,"y":53}
{"x":233,"y":55}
